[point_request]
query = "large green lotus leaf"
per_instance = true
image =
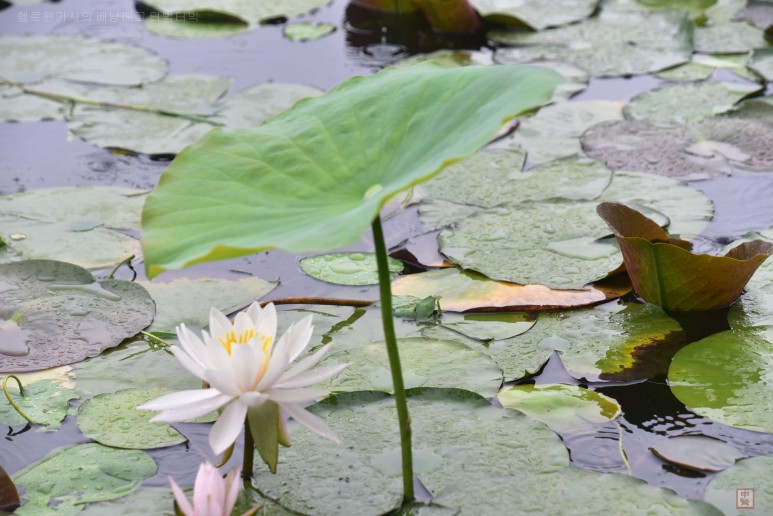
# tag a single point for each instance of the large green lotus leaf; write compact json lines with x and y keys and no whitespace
{"x":752,"y":473}
{"x":703,"y":66}
{"x":63,"y":315}
{"x":149,"y":500}
{"x":764,"y":275}
{"x":494,"y":178}
{"x":462,"y":291}
{"x":70,"y":476}
{"x":455,"y":434}
{"x":31,"y":59}
{"x":112,"y":419}
{"x":567,"y":491}
{"x":425,"y":363}
{"x":761,"y":62}
{"x":663,"y":271}
{"x":312,"y":178}
{"x":533,"y":13}
{"x":688,"y":210}
{"x":554,"y":132}
{"x":73,"y":224}
{"x":727,"y":378}
{"x":546,"y":244}
{"x":45,"y":402}
{"x":753,"y":310}
{"x":307,"y":31}
{"x":16,"y":106}
{"x":186,"y":95}
{"x":654,"y":41}
{"x":347,"y":268}
{"x":728,"y":38}
{"x":619,"y":342}
{"x":188,"y":301}
{"x":688,"y":102}
{"x":697,"y":452}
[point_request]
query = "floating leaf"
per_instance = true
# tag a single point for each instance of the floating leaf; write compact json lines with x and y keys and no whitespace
{"x":687,"y":103}
{"x":757,"y":12}
{"x":696,"y":8}
{"x":462,"y":291}
{"x":728,"y":38}
{"x":754,"y":309}
{"x":697,"y":452}
{"x":561,"y":407}
{"x":748,"y":475}
{"x":9,"y":497}
{"x":307,"y":31}
{"x":313,"y":148}
{"x":73,"y":224}
{"x":112,"y":419}
{"x":489,"y":326}
{"x":449,"y":58}
{"x":425,"y":363}
{"x":347,"y":268}
{"x":66,"y":315}
{"x":726,"y":377}
{"x":44,"y":401}
{"x":144,"y":501}
{"x":93,"y":473}
{"x":17,"y":106}
{"x":188,"y":301}
{"x":653,"y":42}
{"x":663,"y":271}
{"x":31,"y":59}
{"x":762,"y":63}
{"x":534,"y":14}
{"x":454,"y":433}
{"x":201,"y":25}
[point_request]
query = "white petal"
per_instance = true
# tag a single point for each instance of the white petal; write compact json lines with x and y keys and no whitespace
{"x":253,"y":311}
{"x":310,"y":421}
{"x":223,"y":383}
{"x":253,"y":399}
{"x":276,"y":367}
{"x":219,"y":358}
{"x":246,"y":362}
{"x":242,"y":324}
{"x":219,"y":325}
{"x":179,"y":497}
{"x":179,"y":399}
{"x":193,"y":366}
{"x":208,"y":491}
{"x":192,"y":345}
{"x":306,"y":364}
{"x":227,"y":428}
{"x":266,"y":324}
{"x":310,"y":378}
{"x":301,"y":337}
{"x":296,"y":395}
{"x":184,"y":413}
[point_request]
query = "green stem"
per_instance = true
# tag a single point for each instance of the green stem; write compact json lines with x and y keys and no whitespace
{"x":384,"y":284}
{"x":10,"y":399}
{"x":156,"y":339}
{"x":115,"y":269}
{"x":249,"y":453}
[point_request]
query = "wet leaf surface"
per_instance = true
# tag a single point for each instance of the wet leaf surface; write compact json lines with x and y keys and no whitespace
{"x":728,"y":38}
{"x":347,"y":268}
{"x":533,"y":13}
{"x":752,"y":473}
{"x":697,"y":452}
{"x":703,"y":66}
{"x":45,"y":402}
{"x":149,"y":500}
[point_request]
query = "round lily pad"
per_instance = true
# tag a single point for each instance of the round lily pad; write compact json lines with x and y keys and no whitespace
{"x":754,"y":309}
{"x":144,"y":501}
{"x":113,"y":420}
{"x":728,"y":38}
{"x":45,"y":402}
{"x":697,"y":452}
{"x":455,"y":433}
{"x":534,"y":14}
{"x":18,"y":106}
{"x":653,"y":42}
{"x":730,"y":490}
{"x":703,"y":66}
{"x":761,"y":62}
{"x":561,"y":407}
{"x":688,"y":102}
{"x":347,"y":268}
{"x":31,"y":59}
{"x":80,"y":225}
{"x":65,"y":315}
{"x":450,"y":58}
{"x":307,"y":31}
{"x":425,"y":363}
{"x":195,"y":25}
{"x":489,"y":326}
{"x":725,"y":377}
{"x":92,"y":473}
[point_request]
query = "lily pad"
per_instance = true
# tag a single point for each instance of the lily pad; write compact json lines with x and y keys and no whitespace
{"x":561,"y":407}
{"x":554,"y":132}
{"x":462,"y":291}
{"x":697,"y":452}
{"x":703,"y":66}
{"x":148,"y":500}
{"x":291,"y":196}
{"x":727,"y":377}
{"x":18,"y":106}
{"x":762,"y":63}
{"x":728,"y":38}
{"x":190,"y":108}
{"x":31,"y":59}
{"x":696,"y":8}
{"x":762,"y":276}
{"x":653,"y":41}
{"x":489,"y":326}
{"x":748,"y":475}
{"x":188,"y":301}
{"x":66,"y":315}
{"x":757,"y":12}
{"x":200,"y":25}
{"x":687,"y":103}
{"x":663,"y":271}
{"x":44,"y":401}
{"x":753,"y":310}
{"x":546,"y":244}
{"x":81,"y":225}
{"x":113,"y":420}
{"x":307,"y":31}
{"x":95,"y":473}
{"x":449,"y":58}
{"x":347,"y":268}
{"x":425,"y":363}
{"x":454,"y":433}
{"x":535,"y":14}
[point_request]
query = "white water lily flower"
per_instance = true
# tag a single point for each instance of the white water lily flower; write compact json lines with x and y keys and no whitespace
{"x":212,"y":494}
{"x":245,"y":368}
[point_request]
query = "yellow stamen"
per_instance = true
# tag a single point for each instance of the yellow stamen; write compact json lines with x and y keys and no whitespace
{"x":231,"y":338}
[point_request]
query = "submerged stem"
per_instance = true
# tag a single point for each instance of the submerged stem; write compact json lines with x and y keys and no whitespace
{"x":10,"y":399}
{"x":384,"y":284}
{"x":124,"y":262}
{"x":249,"y":453}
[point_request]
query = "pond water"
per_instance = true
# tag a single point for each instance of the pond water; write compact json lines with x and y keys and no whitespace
{"x":41,"y":154}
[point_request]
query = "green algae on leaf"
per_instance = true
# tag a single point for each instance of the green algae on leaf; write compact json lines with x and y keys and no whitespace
{"x":93,"y":473}
{"x":305,"y":181}
{"x":534,"y":14}
{"x":697,"y":452}
{"x":45,"y":402}
{"x":307,"y":31}
{"x":347,"y":268}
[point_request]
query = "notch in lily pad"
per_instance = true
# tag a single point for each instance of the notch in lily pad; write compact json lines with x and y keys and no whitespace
{"x":665,"y":272}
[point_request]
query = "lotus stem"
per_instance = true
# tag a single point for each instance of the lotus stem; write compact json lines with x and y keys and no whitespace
{"x":404,"y":420}
{"x":12,"y":402}
{"x":123,"y":262}
{"x":249,"y":453}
